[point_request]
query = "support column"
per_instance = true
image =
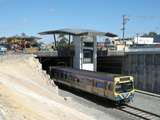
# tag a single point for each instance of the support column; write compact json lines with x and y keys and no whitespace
{"x":69,"y":42}
{"x":55,"y":41}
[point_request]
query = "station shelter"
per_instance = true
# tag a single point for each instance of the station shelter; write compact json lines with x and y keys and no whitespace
{"x":85,"y":45}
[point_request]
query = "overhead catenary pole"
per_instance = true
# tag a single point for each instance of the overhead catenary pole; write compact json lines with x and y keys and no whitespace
{"x":123,"y":27}
{"x":137,"y":37}
{"x":125,"y":19}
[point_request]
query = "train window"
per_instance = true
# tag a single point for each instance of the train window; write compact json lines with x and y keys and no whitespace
{"x":100,"y":85}
{"x":124,"y":87}
{"x":61,"y":75}
{"x":65,"y":76}
{"x":106,"y":86}
{"x":68,"y":78}
{"x":109,"y":86}
{"x":56,"y":74}
{"x":72,"y":78}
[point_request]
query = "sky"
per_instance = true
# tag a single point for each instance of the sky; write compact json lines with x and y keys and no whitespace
{"x":34,"y":16}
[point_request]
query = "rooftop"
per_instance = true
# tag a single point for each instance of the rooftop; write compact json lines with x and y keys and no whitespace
{"x":26,"y":37}
{"x":78,"y":32}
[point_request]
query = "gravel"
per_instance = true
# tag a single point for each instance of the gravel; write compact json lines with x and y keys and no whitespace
{"x":146,"y":102}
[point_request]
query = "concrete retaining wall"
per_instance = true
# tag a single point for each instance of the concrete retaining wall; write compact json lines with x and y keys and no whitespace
{"x":145,"y":68}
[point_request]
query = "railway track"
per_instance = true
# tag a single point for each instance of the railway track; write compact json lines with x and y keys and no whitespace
{"x":140,"y":113}
{"x":134,"y":111}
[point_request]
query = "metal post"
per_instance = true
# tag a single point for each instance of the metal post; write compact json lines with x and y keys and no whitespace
{"x":123,"y":26}
{"x":55,"y":42}
{"x":125,"y":19}
{"x":69,"y":39}
{"x":137,"y":37}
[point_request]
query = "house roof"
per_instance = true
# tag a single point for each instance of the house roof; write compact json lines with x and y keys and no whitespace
{"x":24,"y":37}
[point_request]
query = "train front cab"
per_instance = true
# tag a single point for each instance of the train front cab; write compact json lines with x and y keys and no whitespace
{"x":124,"y":89}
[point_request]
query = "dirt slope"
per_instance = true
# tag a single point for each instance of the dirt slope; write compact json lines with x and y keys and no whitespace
{"x":27,"y":94}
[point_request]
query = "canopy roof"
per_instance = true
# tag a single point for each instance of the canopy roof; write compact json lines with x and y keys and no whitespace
{"x":78,"y":32}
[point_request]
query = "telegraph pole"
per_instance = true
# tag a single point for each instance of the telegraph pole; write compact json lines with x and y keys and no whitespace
{"x":137,"y":37}
{"x":123,"y":27}
{"x":125,"y":20}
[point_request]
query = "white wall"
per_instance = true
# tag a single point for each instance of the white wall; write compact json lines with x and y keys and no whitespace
{"x":78,"y":57}
{"x":143,"y":40}
{"x":88,"y":66}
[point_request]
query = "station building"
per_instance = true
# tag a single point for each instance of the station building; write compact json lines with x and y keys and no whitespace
{"x":85,"y":45}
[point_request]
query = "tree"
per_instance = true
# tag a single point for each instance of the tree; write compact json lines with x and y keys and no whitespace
{"x":63,"y":47}
{"x":150,"y":34}
{"x":23,"y":34}
{"x":62,"y":41}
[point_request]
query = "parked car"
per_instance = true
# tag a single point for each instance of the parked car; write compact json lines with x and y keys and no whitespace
{"x":3,"y":49}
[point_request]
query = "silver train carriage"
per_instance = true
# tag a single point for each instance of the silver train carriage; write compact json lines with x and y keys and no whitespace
{"x":115,"y":87}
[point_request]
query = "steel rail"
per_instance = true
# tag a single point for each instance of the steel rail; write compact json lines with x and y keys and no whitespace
{"x":143,"y":114}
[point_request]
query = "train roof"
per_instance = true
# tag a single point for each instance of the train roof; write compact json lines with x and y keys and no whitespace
{"x":90,"y":74}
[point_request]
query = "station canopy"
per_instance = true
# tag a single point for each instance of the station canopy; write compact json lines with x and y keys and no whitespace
{"x":78,"y":32}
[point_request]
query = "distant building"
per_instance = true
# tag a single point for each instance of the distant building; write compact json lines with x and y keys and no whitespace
{"x":116,"y":44}
{"x":101,"y":46}
{"x":21,"y":43}
{"x":48,"y":47}
{"x":3,"y":40}
{"x":129,"y":42}
{"x":143,"y":40}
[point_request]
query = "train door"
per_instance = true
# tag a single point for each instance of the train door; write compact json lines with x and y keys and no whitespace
{"x":76,"y":82}
{"x":110,"y":90}
{"x":92,"y":86}
{"x":106,"y":89}
{"x":99,"y":88}
{"x":94,"y":90}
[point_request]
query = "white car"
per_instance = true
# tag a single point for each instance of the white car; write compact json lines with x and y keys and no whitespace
{"x":3,"y":49}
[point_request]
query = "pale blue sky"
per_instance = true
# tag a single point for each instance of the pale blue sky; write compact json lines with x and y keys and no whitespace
{"x":34,"y":16}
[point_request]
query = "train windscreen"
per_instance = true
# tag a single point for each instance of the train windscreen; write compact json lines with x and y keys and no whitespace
{"x":124,"y":87}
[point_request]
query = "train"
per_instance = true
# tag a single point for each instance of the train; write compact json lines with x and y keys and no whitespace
{"x":115,"y":87}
